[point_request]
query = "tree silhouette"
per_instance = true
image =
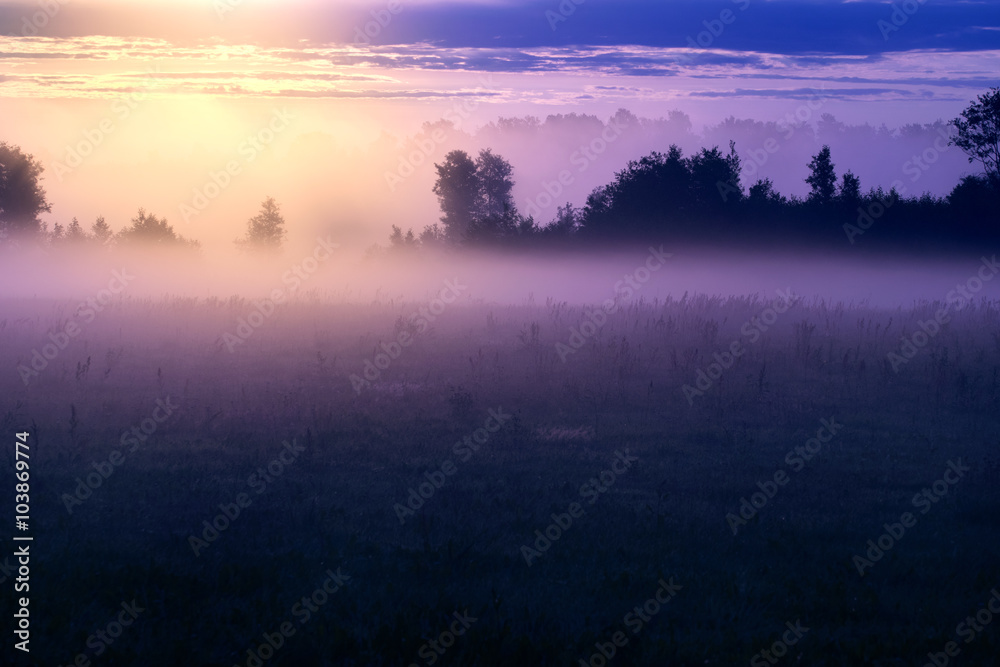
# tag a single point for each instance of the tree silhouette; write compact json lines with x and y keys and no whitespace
{"x":398,"y":241}
{"x":822,"y":178}
{"x":22,"y":198}
{"x":715,"y":179}
{"x":495,"y":214}
{"x":566,"y":222}
{"x":457,"y":189}
{"x":850,"y":189}
{"x":762,"y":192}
{"x":265,"y":231}
{"x":979,"y":133}
{"x":101,"y":232}
{"x":75,"y":233}
{"x":432,"y":235}
{"x":148,"y":230}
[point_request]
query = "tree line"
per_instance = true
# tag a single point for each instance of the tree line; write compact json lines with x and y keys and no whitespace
{"x":666,"y":195}
{"x":701,"y":197}
{"x":23,"y":200}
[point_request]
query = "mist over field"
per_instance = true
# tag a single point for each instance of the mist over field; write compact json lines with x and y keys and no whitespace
{"x":579,"y":277}
{"x":534,"y":332}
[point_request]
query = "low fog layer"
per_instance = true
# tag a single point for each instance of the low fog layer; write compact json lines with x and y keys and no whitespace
{"x":328,"y":271}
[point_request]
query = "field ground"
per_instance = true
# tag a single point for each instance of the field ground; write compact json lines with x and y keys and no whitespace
{"x":333,"y":503}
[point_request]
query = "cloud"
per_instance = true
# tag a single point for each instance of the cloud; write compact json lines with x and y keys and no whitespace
{"x":385,"y":72}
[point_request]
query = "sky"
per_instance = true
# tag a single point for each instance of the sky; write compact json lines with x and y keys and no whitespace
{"x":316,"y":103}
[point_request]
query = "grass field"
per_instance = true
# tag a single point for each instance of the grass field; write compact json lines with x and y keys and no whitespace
{"x":646,"y":483}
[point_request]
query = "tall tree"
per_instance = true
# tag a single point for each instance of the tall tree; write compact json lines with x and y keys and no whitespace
{"x":265,"y":231}
{"x":715,"y":178}
{"x":457,"y":189}
{"x":822,"y":178}
{"x":979,"y":133}
{"x":496,"y":214}
{"x":22,"y":198}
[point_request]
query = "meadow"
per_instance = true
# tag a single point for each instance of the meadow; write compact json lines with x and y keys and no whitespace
{"x":739,"y":510}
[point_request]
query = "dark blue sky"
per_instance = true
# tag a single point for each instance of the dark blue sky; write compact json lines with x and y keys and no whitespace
{"x":774,"y":26}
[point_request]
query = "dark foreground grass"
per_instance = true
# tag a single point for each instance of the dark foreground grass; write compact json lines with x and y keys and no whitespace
{"x":331,"y":508}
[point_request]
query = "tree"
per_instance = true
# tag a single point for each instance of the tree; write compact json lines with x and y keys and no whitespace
{"x":399,"y":241}
{"x":823,"y":178}
{"x":715,"y":179}
{"x":457,"y":189}
{"x":495,"y":213}
{"x":762,"y":192}
{"x":566,"y":222}
{"x":147,"y":229}
{"x":75,"y":233}
{"x":979,"y":133}
{"x":22,"y":198}
{"x":101,"y":232}
{"x":850,"y":188}
{"x":432,"y":235}
{"x":265,"y":231}
{"x":649,"y":194}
